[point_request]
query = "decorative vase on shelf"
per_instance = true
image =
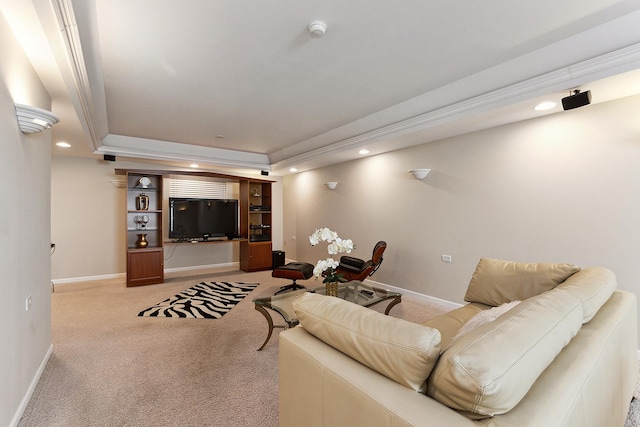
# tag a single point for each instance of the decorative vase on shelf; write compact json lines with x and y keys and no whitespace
{"x":142,"y":202}
{"x":142,"y":241}
{"x":332,"y":289}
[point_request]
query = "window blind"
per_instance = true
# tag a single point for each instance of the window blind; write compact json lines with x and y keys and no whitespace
{"x":199,"y":189}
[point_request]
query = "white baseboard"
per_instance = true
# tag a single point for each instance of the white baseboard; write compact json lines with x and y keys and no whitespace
{"x":32,"y":386}
{"x":207,"y":267}
{"x":69,"y":280}
{"x":445,"y":303}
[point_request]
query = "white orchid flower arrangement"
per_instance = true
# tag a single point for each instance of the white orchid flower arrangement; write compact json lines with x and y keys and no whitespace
{"x":336,"y":246}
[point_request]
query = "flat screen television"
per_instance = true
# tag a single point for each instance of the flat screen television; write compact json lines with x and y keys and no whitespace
{"x":193,"y":218}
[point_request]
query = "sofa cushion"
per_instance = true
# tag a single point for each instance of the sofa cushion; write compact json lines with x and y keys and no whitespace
{"x":402,"y":351}
{"x":489,"y":370}
{"x":593,"y":287}
{"x":484,"y":317}
{"x":496,"y":282}
{"x":450,"y":322}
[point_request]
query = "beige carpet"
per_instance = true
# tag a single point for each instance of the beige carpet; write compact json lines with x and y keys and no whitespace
{"x":113,"y":368}
{"x":633,"y":417}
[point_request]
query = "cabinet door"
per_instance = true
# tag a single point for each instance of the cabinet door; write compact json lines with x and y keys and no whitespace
{"x":261,"y":256}
{"x":145,"y":266}
{"x":255,"y":256}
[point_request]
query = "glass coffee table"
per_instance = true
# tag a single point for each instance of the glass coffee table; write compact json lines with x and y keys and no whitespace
{"x":354,"y":291}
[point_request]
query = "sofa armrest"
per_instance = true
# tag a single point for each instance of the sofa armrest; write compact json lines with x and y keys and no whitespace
{"x":320,"y":386}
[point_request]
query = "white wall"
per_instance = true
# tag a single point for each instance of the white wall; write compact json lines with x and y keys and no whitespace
{"x":564,"y":188}
{"x":25,"y":336}
{"x":87,"y":215}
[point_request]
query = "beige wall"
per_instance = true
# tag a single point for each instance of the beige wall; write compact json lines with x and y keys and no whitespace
{"x":25,"y":336}
{"x":564,"y":188}
{"x":87,"y":215}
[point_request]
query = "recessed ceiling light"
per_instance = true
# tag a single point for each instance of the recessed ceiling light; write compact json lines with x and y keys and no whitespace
{"x":220,"y":136}
{"x":546,"y":105}
{"x":293,"y":170}
{"x":63,"y":144}
{"x":364,"y":151}
{"x":193,"y":165}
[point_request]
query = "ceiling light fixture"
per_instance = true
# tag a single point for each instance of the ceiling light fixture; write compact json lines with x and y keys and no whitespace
{"x":546,"y":105}
{"x":317,"y":29}
{"x":331,"y":185}
{"x":63,"y":144}
{"x":364,"y":151}
{"x":193,"y":165}
{"x":33,"y":119}
{"x":293,"y":170}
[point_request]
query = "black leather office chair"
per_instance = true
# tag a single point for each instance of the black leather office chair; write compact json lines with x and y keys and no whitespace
{"x":357,"y":269}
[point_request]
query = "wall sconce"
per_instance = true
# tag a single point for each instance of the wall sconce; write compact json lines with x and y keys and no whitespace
{"x":118,"y":183}
{"x":331,"y":185}
{"x":419,"y":173}
{"x":33,"y":119}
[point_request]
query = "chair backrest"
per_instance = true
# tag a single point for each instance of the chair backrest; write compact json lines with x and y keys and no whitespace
{"x":376,"y":258}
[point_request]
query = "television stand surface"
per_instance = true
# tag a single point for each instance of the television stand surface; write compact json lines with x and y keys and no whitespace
{"x":215,"y":239}
{"x":200,"y":240}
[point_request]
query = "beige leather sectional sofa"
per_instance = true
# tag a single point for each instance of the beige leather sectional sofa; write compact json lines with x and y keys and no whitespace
{"x":562,"y":353}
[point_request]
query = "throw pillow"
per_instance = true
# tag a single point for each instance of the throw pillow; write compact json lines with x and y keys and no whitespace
{"x":400,"y":350}
{"x":489,"y":370}
{"x":496,"y":282}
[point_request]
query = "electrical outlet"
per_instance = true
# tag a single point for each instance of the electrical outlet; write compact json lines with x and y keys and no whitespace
{"x":445,"y":258}
{"x":27,"y":303}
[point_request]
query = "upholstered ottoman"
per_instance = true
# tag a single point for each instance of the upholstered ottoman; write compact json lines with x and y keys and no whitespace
{"x":293,"y":271}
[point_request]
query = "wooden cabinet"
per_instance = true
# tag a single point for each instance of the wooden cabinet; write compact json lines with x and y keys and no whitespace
{"x":255,"y":256}
{"x":255,"y":225}
{"x":145,"y":266}
{"x":145,"y":256}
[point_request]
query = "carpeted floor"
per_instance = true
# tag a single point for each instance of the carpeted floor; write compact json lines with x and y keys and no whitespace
{"x":113,"y":368}
{"x":633,"y":417}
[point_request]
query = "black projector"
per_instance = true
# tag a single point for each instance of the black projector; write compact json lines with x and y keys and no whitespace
{"x":578,"y":99}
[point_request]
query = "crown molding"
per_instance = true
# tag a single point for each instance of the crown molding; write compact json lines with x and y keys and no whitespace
{"x":84,"y":99}
{"x":606,"y":65}
{"x":143,"y":148}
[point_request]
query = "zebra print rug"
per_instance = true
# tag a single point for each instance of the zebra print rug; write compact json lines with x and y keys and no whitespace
{"x":203,"y":301}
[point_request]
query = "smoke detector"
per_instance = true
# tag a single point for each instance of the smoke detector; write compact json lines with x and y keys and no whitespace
{"x":317,"y":28}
